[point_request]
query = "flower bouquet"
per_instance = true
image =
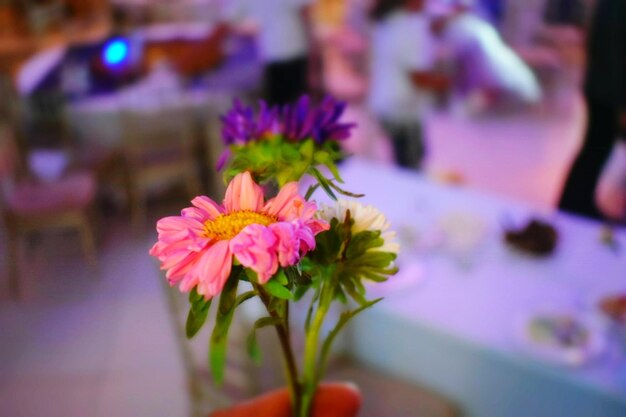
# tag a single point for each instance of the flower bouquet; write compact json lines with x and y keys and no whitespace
{"x":266,"y":233}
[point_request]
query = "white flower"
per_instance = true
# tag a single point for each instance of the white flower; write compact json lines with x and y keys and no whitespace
{"x":365,"y":218}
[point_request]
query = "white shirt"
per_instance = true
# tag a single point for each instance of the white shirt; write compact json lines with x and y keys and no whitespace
{"x":282,"y":35}
{"x":401,"y":44}
{"x":488,"y":61}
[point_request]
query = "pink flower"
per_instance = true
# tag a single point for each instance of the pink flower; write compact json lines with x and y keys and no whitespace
{"x":197,"y":248}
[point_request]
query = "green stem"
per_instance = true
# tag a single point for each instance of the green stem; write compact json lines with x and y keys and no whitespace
{"x":282,"y":329}
{"x":309,"y":374}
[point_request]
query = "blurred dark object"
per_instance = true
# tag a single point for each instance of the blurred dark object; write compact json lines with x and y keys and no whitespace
{"x":536,"y":238}
{"x":565,"y":12}
{"x":189,"y":57}
{"x":607,"y":238}
{"x":605,"y":94}
{"x":614,"y":306}
{"x":11,"y":20}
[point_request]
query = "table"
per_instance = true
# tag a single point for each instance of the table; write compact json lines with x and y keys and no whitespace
{"x":97,"y":118}
{"x":452,"y":329}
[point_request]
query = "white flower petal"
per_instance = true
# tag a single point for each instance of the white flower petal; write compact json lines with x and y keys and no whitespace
{"x":365,"y":218}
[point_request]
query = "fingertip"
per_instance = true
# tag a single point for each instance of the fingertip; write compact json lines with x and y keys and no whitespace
{"x":337,"y":400}
{"x":352,"y":387}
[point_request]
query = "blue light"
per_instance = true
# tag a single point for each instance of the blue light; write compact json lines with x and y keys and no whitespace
{"x":115,"y":52}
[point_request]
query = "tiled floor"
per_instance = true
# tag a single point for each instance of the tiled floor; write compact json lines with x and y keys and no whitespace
{"x":85,"y":344}
{"x":81,"y":344}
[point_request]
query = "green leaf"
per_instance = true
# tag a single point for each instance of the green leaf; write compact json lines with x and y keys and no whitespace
{"x":278,"y":306}
{"x":251,"y":275}
{"x":251,"y":343}
{"x":307,"y":148}
{"x":309,"y":315}
{"x":372,"y":276}
{"x":294,"y":276}
{"x":344,"y":192}
{"x":194,"y":296}
{"x":343,"y":320}
{"x":330,"y":164}
{"x":327,"y":247}
{"x":196,"y":317}
{"x":300,"y":291}
{"x":242,"y":298}
{"x":362,"y":241}
{"x":277,"y":290}
{"x":323,"y":182}
{"x":349,"y":285}
{"x":310,"y":191}
{"x":280,"y":277}
{"x":223,"y":320}
{"x":375,"y":259}
{"x":340,"y":295}
{"x":303,"y":279}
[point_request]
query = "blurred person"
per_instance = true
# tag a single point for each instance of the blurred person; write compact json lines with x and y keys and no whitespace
{"x":402,"y":76}
{"x":357,"y":15}
{"x":565,"y":12}
{"x":610,"y":194}
{"x":331,"y":400}
{"x":605,"y":95}
{"x":489,"y":74}
{"x":285,"y":43}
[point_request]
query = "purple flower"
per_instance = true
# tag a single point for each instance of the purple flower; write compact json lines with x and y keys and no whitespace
{"x":298,"y":120}
{"x":295,"y":122}
{"x":268,"y":121}
{"x":240,"y":125}
{"x":302,"y":121}
{"x":327,"y":122}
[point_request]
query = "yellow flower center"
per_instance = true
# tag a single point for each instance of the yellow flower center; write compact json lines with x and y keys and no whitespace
{"x":227,"y":226}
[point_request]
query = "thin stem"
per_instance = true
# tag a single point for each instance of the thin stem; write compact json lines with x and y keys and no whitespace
{"x":283,"y":331}
{"x":309,"y":373}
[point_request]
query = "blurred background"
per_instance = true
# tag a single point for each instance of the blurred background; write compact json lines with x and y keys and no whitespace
{"x":488,"y":130}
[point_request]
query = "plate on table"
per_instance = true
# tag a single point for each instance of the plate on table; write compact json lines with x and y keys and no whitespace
{"x":463,"y":231}
{"x":612,"y":308}
{"x":561,"y":336}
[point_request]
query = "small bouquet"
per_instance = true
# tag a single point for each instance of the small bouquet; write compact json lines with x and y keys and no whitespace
{"x":282,"y":244}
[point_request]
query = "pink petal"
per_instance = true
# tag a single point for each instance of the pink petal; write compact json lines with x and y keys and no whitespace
{"x":176,"y":227}
{"x":306,"y":238}
{"x":255,"y":248}
{"x":282,"y":205}
{"x":188,"y":283}
{"x":210,"y":207}
{"x":195,"y":213}
{"x":306,"y":209}
{"x":181,"y":268}
{"x":317,"y":225}
{"x":288,"y":245}
{"x":213,"y":269}
{"x":243,"y":194}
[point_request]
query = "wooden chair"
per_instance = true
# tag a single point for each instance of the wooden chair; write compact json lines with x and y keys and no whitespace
{"x":29,"y":205}
{"x":158,"y":150}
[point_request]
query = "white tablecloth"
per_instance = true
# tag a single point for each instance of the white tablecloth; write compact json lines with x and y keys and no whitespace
{"x":448,"y":318}
{"x":98,"y":120}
